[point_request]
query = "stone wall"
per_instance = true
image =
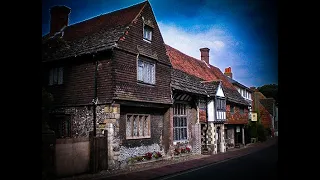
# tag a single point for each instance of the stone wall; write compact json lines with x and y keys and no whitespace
{"x":134,"y":147}
{"x":82,"y":118}
{"x":222,"y":143}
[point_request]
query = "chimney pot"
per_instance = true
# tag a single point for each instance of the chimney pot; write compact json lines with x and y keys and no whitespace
{"x":228,"y":72}
{"x":59,"y":18}
{"x":205,"y":54}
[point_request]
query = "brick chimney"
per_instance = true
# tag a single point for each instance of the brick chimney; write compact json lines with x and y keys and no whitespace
{"x":227,"y":72}
{"x":59,"y":18}
{"x":205,"y":54}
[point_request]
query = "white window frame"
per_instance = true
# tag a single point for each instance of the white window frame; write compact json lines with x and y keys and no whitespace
{"x":56,"y":76}
{"x":180,"y":122}
{"x":146,"y":72}
{"x":147,"y":32}
{"x":141,"y":122}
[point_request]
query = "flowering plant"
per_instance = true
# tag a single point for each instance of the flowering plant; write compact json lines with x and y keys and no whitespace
{"x":177,"y":151}
{"x":148,"y":155}
{"x":188,"y":149}
{"x":157,"y":155}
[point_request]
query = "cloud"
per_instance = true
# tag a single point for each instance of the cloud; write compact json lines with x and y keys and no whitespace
{"x":223,"y":47}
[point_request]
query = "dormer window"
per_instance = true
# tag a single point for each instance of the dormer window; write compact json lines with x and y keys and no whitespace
{"x":147,"y":33}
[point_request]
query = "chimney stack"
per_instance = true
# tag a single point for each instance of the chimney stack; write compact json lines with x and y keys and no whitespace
{"x":227,"y":72}
{"x":205,"y":54}
{"x":59,"y":18}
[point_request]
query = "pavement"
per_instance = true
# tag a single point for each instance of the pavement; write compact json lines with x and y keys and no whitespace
{"x":167,"y":170}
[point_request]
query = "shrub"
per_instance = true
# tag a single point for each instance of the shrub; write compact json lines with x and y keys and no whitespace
{"x":261,"y":133}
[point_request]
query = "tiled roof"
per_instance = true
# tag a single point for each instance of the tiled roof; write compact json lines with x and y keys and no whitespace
{"x":239,"y":84}
{"x":96,"y":34}
{"x":268,"y":104}
{"x":188,"y":83}
{"x":211,"y":87}
{"x":189,"y":64}
{"x":204,"y":71}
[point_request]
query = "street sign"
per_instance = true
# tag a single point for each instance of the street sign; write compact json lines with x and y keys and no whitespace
{"x":254,"y":116}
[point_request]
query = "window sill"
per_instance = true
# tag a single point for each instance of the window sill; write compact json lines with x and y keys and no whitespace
{"x":180,"y":141}
{"x":55,"y":85}
{"x":146,"y":84}
{"x":144,"y":137}
{"x":147,"y":40}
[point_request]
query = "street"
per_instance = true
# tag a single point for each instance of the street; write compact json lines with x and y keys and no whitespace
{"x":258,"y":165}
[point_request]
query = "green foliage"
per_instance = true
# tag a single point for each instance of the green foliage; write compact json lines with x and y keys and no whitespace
{"x":256,"y":130}
{"x":261,"y":132}
{"x":270,"y":91}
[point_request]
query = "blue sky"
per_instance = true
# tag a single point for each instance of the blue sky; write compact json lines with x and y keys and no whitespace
{"x":242,"y":34}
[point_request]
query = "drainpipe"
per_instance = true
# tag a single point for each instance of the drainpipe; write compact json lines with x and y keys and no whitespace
{"x":95,"y":97}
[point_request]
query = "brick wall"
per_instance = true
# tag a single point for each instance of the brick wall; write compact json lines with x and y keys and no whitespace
{"x":236,"y":117}
{"x":133,"y":147}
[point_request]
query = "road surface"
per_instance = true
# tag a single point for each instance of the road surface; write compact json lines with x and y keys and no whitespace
{"x":256,"y":166}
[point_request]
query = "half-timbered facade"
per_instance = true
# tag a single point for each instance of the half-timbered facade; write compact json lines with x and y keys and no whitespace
{"x":229,"y":118}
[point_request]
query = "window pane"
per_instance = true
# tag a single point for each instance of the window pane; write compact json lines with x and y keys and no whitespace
{"x":128,"y":128}
{"x":55,"y":75}
{"x":153,"y":81}
{"x":140,"y":70}
{"x":141,"y":125}
{"x":146,"y":124}
{"x":149,"y":73}
{"x":60,"y":75}
{"x":184,"y":133}
{"x":135,"y":126}
{"x":176,"y":134}
{"x":183,"y":109}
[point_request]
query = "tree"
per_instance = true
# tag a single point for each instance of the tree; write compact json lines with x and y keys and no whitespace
{"x":270,"y":91}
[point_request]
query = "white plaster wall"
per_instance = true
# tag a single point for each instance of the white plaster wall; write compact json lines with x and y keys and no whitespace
{"x":221,"y":115}
{"x":220,"y":92}
{"x":210,"y":107}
